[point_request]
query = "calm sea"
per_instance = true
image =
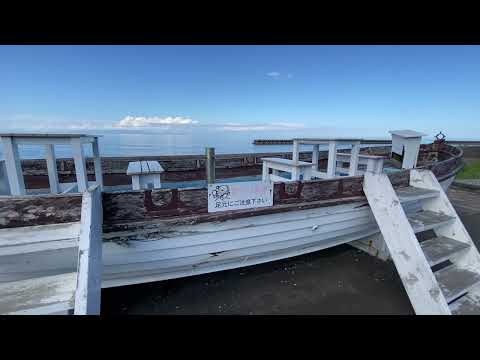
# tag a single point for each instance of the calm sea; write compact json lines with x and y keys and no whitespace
{"x":144,"y":142}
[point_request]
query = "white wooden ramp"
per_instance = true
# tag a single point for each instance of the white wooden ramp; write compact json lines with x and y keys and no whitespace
{"x":441,"y":275}
{"x":77,"y":292}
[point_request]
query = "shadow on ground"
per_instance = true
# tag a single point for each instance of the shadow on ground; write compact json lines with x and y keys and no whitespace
{"x":340,"y":280}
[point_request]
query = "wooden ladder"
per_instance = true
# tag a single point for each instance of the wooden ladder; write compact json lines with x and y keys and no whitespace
{"x":442,"y":274}
{"x":57,"y":293}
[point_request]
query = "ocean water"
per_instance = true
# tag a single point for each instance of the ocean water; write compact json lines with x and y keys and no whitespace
{"x":157,"y":141}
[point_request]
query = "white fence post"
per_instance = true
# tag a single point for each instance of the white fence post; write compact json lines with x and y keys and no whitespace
{"x":97,"y":162}
{"x":332,"y":159}
{"x":354,"y":159}
{"x":89,"y":273}
{"x":14,"y":166}
{"x":80,"y":166}
{"x":52,"y":168}
{"x":315,"y":155}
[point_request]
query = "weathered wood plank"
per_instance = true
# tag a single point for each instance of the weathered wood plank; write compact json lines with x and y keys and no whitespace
{"x":39,"y":210}
{"x":441,"y":248}
{"x":145,"y":205}
{"x":97,"y":162}
{"x":220,"y":218}
{"x":354,"y":160}
{"x":400,"y":178}
{"x":428,"y":220}
{"x":33,"y":295}
{"x":80,"y":165}
{"x":138,"y":205}
{"x":468,"y":304}
{"x":455,"y":281}
{"x":23,"y":240}
{"x":411,"y":193}
{"x":89,"y":274}
{"x":52,"y":168}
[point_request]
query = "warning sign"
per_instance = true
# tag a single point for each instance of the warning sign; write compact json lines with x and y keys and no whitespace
{"x":239,"y":195}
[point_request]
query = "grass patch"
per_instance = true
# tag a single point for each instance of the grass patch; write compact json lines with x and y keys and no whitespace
{"x":470,"y":171}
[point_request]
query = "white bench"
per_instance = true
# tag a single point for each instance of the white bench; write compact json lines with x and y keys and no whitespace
{"x":332,"y":154}
{"x":299,"y":170}
{"x":373,"y":163}
{"x":145,"y":174}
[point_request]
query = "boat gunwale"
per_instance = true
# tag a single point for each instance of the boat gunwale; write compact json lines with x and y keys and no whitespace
{"x":46,"y":209}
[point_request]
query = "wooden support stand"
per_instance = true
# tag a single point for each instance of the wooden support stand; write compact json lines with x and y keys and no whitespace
{"x":145,"y":174}
{"x":210,"y":165}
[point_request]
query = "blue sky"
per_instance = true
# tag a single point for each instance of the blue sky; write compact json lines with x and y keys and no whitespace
{"x":243,"y":88}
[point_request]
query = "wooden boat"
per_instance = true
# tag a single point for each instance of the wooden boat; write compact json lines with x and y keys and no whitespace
{"x":153,"y":235}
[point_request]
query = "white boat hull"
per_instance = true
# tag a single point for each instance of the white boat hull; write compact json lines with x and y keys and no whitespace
{"x":187,"y":250}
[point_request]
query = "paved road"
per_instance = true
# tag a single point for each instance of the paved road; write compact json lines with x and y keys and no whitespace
{"x":340,"y":280}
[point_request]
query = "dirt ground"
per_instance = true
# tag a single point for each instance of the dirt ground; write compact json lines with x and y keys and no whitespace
{"x":339,"y":280}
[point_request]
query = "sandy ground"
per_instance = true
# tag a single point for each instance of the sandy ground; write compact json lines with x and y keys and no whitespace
{"x":340,"y":280}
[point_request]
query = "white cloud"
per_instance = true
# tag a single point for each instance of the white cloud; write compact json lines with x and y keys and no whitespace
{"x":288,"y":125}
{"x":274,"y":74}
{"x":142,"y":121}
{"x":278,"y":126}
{"x":50,"y":122}
{"x":85,"y":125}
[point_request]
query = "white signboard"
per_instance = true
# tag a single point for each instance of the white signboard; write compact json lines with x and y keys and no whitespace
{"x":239,"y":195}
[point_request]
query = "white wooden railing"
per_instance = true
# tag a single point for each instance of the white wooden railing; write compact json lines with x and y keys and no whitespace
{"x":301,"y":170}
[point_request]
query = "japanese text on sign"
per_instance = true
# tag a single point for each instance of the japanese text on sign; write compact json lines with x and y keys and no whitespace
{"x":240,"y":195}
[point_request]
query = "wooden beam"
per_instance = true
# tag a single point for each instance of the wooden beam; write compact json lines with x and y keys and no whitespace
{"x":89,"y":278}
{"x":315,"y":155}
{"x":375,"y":165}
{"x":295,"y":171}
{"x":97,"y":161}
{"x":265,"y":171}
{"x":295,"y":153}
{"x":277,"y":178}
{"x":52,"y":168}
{"x":210,"y":153}
{"x":80,"y":165}
{"x":157,"y":182}
{"x":332,"y":159}
{"x":354,"y":159}
{"x":136,"y":182}
{"x":42,"y":141}
{"x":307,"y":174}
{"x":13,"y":165}
{"x":4,"y":186}
{"x":319,"y":174}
